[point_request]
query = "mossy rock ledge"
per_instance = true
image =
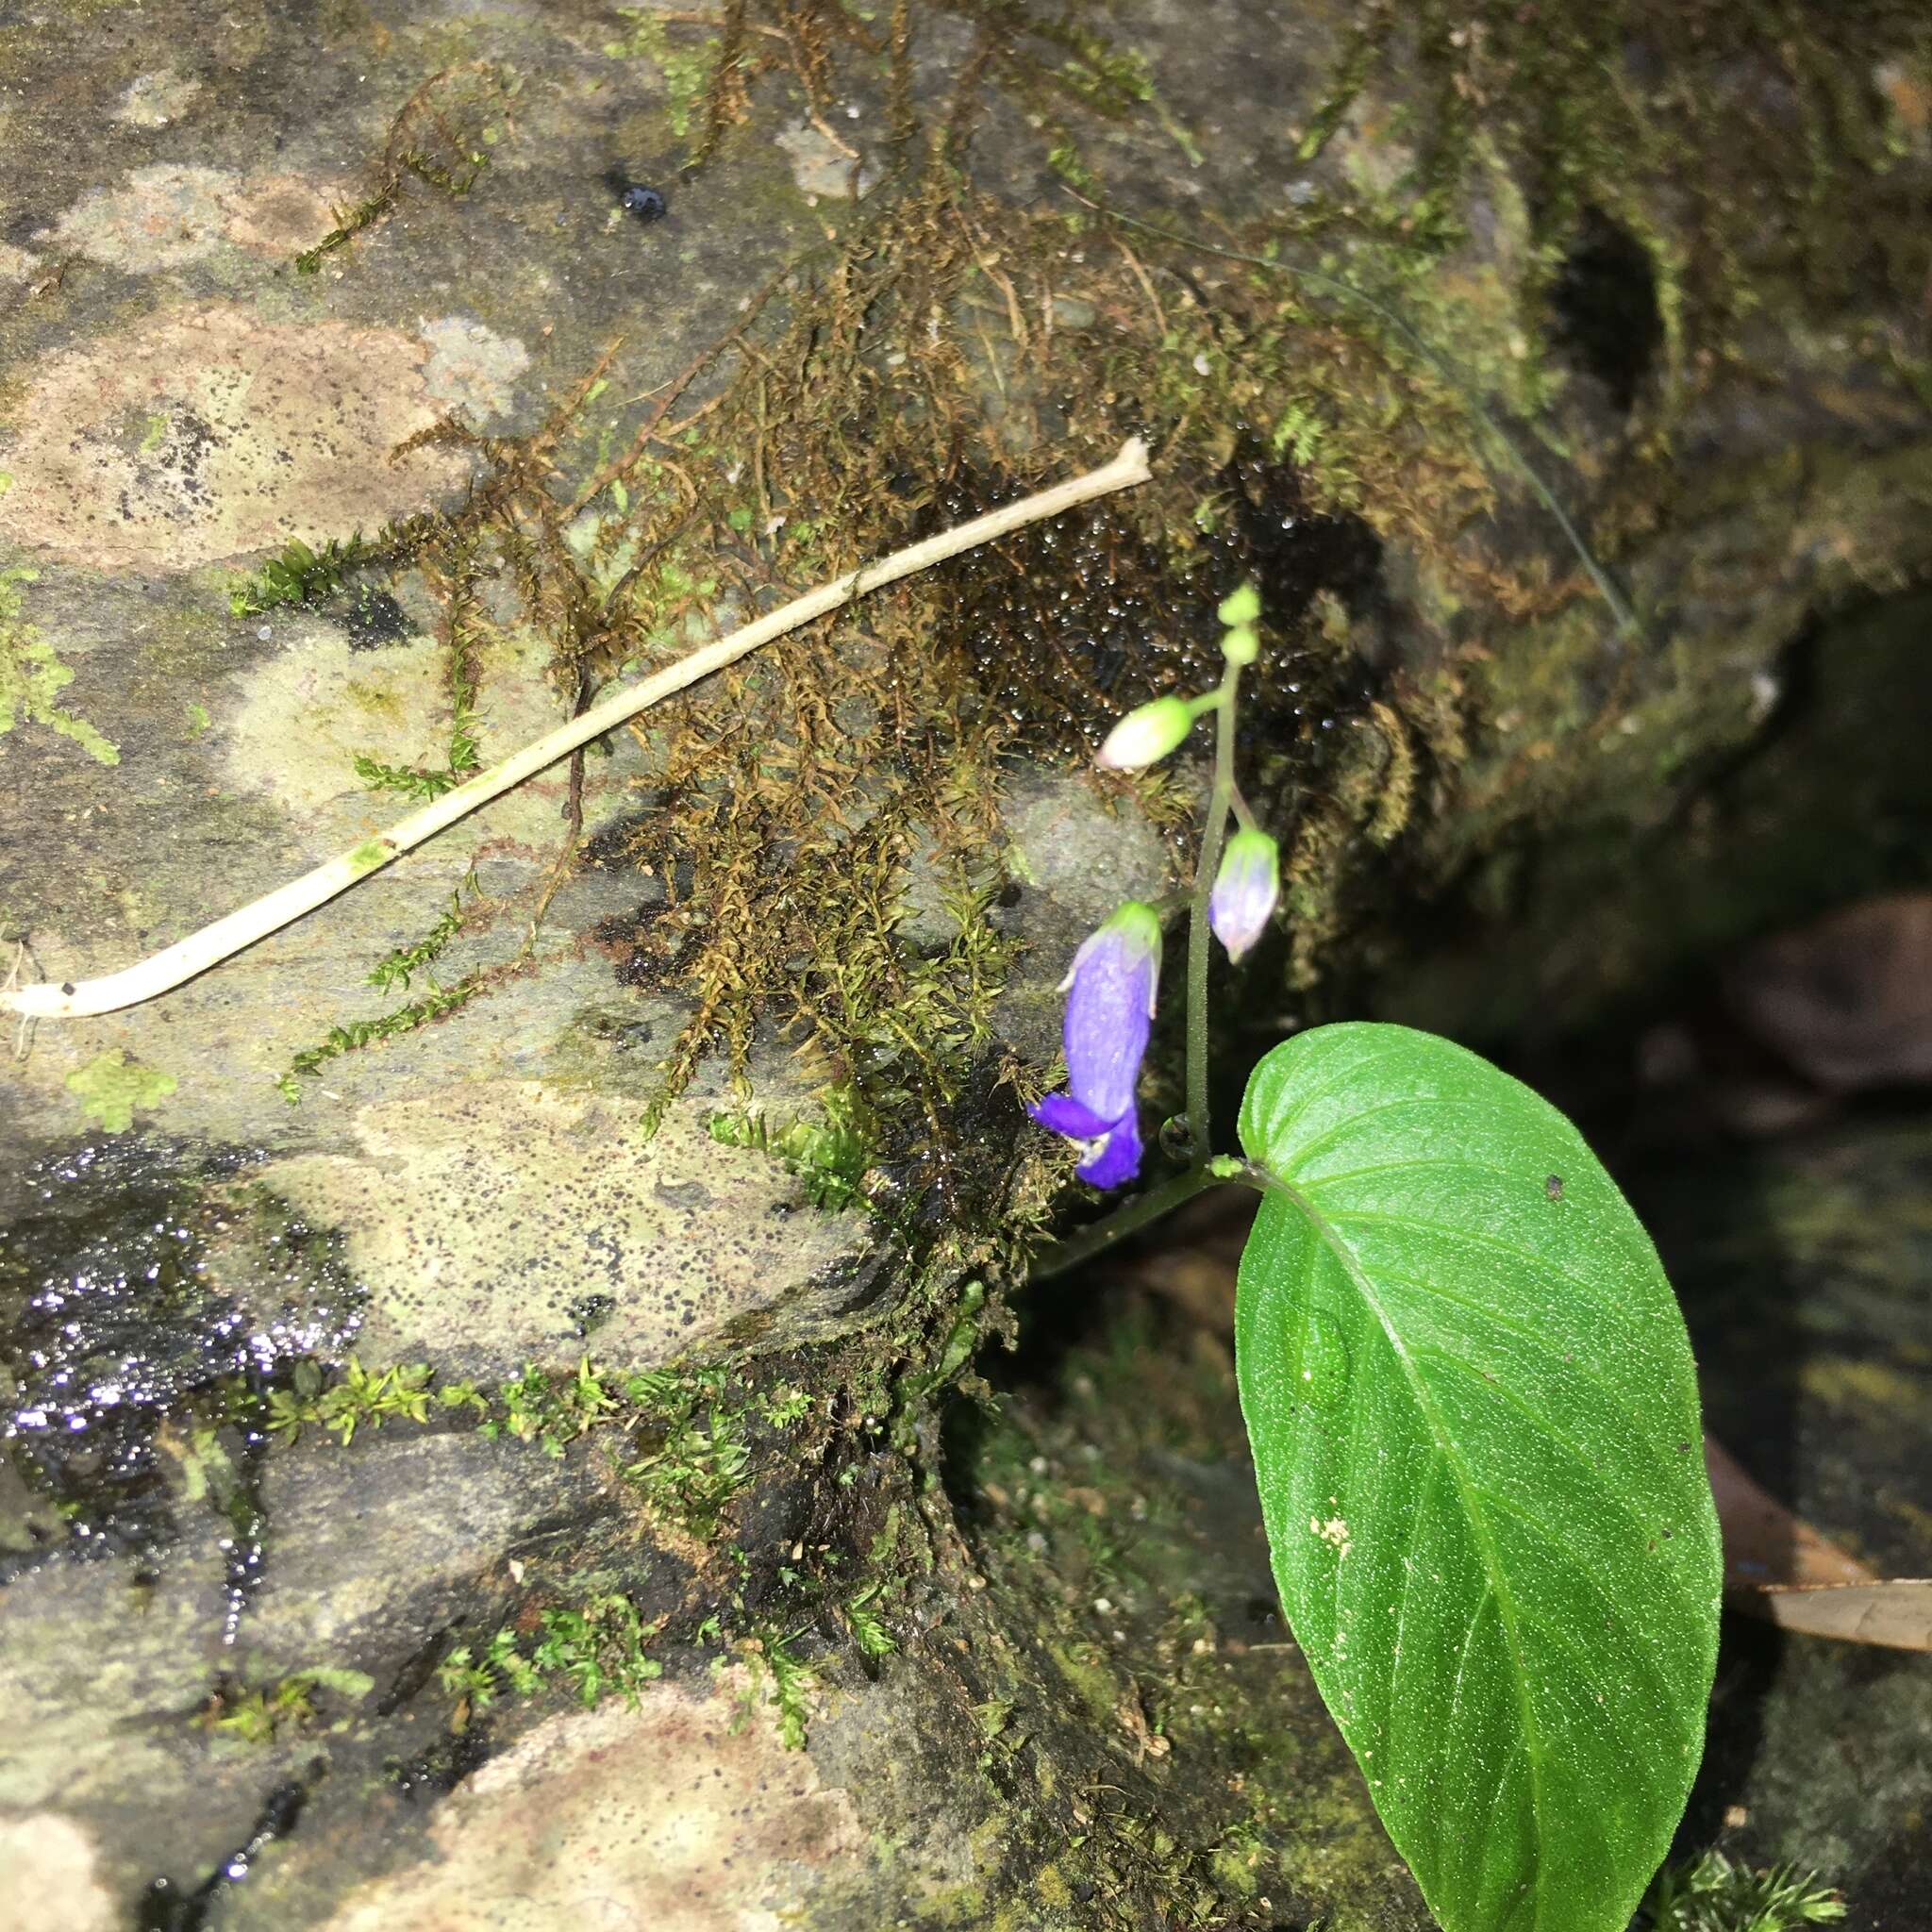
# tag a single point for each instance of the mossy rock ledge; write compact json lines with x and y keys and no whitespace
{"x":496,"y":1427}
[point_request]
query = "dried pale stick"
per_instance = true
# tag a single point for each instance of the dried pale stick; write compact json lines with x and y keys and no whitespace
{"x":225,"y":936}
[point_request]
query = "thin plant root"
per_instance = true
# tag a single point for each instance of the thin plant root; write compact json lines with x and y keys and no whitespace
{"x":226,"y":937}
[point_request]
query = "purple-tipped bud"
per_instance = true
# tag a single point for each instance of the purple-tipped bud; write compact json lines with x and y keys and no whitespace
{"x":1245,"y":890}
{"x":1110,"y":990}
{"x":1147,"y":735}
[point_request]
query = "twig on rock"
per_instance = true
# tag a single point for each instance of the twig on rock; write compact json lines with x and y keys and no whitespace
{"x":209,"y":947}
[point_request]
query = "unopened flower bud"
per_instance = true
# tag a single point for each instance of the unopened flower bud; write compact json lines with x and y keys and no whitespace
{"x":1239,"y":608}
{"x":1245,"y":890}
{"x":1147,"y":735}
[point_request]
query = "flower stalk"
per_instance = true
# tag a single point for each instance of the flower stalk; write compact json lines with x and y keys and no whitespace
{"x":1235,"y":909}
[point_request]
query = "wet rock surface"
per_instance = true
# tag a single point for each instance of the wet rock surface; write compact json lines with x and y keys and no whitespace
{"x":341,"y":1430}
{"x":1802,"y":1266}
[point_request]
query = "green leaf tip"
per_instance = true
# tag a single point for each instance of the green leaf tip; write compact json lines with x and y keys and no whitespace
{"x":1476,"y":1429}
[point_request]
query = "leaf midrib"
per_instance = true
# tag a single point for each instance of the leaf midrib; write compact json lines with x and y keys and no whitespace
{"x":1465,"y":1489}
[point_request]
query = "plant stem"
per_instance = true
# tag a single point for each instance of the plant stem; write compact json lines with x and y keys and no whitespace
{"x":214,"y":944}
{"x":1219,"y":797}
{"x":1102,"y":1234}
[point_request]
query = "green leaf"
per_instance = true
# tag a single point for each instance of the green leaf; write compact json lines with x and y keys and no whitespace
{"x":1476,"y":1429}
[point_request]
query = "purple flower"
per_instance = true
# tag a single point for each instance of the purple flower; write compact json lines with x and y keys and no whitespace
{"x":1245,"y":890}
{"x":1110,"y":990}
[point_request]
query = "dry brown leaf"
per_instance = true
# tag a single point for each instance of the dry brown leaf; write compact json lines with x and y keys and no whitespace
{"x":1895,"y":1612}
{"x":1847,"y":1000}
{"x":1767,"y":1545}
{"x":1777,"y":1566}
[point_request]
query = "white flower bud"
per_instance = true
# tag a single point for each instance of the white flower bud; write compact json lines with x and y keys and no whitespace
{"x":1147,"y":735}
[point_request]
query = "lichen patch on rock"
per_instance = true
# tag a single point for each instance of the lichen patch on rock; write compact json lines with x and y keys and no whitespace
{"x":479,"y":1219}
{"x":43,"y":1856}
{"x":818,"y":167}
{"x":307,"y":712}
{"x":203,"y":434}
{"x":472,"y":368}
{"x":679,"y":1815}
{"x":154,"y":99}
{"x":171,"y":214}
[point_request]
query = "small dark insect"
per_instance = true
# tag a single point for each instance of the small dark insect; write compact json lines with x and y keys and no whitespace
{"x":1554,"y":1187}
{"x":647,"y":203}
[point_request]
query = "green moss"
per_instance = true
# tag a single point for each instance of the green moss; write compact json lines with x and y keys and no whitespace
{"x":360,"y":1398}
{"x":1146,"y":1734}
{"x":1713,"y":1893}
{"x":299,"y":575}
{"x":829,"y":1155}
{"x":776,"y":1674}
{"x":681,"y":1439}
{"x":111,"y":1090}
{"x":438,"y":136}
{"x":593,"y":1648}
{"x":438,"y":1003}
{"x":687,"y":68}
{"x":399,"y":966}
{"x":32,"y":677}
{"x":261,"y":1716}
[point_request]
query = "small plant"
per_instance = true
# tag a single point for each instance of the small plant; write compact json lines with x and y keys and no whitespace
{"x":433,"y":138}
{"x":260,"y":1716}
{"x":549,"y":1409}
{"x":868,"y":1631}
{"x":363,"y":1398}
{"x":1468,"y":1389}
{"x":1713,"y":1893}
{"x":596,"y":1647}
{"x":394,"y":970}
{"x":465,"y":757}
{"x":32,"y":677}
{"x":476,"y":1681}
{"x":829,"y":1156}
{"x":297,"y":574}
{"x":774,"y":1674}
{"x":695,"y":1457}
{"x":436,"y":1004}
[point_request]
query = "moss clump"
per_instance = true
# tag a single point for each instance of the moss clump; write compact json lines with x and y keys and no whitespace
{"x":593,"y":1648}
{"x":111,"y":1090}
{"x":830,"y":1155}
{"x":681,"y":1439}
{"x":438,"y":1003}
{"x":1141,"y":1732}
{"x":299,"y":575}
{"x":260,"y":1716}
{"x":32,"y":677}
{"x":437,"y":136}
{"x":1713,"y":1893}
{"x":911,"y":372}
